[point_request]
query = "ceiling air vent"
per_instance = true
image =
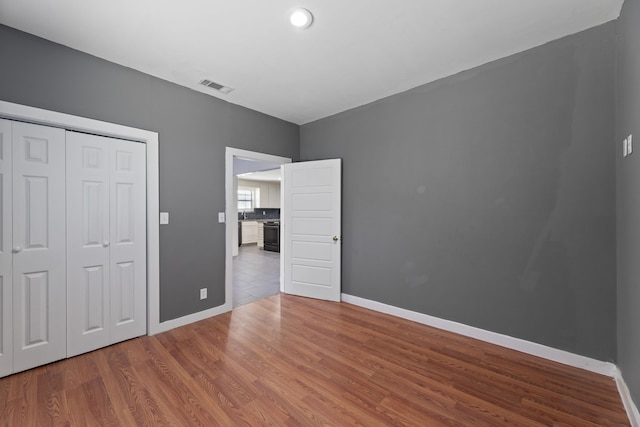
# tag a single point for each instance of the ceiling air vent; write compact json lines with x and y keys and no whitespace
{"x":216,"y":86}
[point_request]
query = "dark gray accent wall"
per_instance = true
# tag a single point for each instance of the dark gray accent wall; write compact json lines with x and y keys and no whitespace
{"x":628,"y":196}
{"x":193,"y":129}
{"x":488,"y":198}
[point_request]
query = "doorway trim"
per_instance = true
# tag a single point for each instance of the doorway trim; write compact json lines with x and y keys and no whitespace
{"x":40,"y":116}
{"x":231,"y":210}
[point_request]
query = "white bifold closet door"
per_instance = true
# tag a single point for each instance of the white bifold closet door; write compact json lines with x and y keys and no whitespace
{"x":106,"y":241}
{"x":38,"y":249}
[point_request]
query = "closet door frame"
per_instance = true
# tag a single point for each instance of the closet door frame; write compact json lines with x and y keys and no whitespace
{"x":6,"y":256}
{"x":19,"y":112}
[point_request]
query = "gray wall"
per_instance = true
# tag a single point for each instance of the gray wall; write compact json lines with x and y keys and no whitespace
{"x":193,"y":131}
{"x":628,"y":197}
{"x":488,"y":197}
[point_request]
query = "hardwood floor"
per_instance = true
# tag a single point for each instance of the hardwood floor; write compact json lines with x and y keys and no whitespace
{"x":285,"y":361}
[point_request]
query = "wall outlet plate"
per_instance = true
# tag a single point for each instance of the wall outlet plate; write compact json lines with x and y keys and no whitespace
{"x":220,"y":217}
{"x":203,"y":293}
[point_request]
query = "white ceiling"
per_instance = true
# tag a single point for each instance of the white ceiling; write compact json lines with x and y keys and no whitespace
{"x":355,"y":52}
{"x":270,"y":175}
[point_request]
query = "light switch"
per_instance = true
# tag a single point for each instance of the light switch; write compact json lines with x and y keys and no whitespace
{"x":164,"y":218}
{"x":220,"y":216}
{"x":627,"y":146}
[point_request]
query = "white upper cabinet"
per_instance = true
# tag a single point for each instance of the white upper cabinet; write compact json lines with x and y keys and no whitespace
{"x":269,"y":192}
{"x":274,"y":195}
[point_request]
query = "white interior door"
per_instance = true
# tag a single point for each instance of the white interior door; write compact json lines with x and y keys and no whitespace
{"x":128,"y":240}
{"x":88,"y":265}
{"x":6,"y":299}
{"x":39,"y":279}
{"x":311,"y":235}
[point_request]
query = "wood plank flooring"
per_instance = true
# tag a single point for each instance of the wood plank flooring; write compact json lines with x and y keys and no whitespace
{"x":290,"y":361}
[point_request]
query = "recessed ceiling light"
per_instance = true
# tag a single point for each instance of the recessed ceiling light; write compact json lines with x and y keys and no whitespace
{"x":301,"y":18}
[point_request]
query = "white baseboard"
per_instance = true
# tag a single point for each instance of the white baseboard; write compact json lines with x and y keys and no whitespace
{"x":185,"y":320}
{"x":605,"y":368}
{"x":631,"y":408}
{"x":550,"y":353}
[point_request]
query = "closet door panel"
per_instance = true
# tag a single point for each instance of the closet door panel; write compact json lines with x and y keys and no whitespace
{"x":6,"y":298}
{"x":39,"y":279}
{"x":88,"y":274}
{"x":129,"y":240}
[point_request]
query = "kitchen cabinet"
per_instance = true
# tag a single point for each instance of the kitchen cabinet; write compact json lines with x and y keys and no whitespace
{"x":274,"y":195}
{"x":269,"y":192}
{"x":261,"y":235}
{"x":249,"y":232}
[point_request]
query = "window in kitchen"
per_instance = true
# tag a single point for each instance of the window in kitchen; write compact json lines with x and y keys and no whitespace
{"x":248,"y":198}
{"x":245,"y":200}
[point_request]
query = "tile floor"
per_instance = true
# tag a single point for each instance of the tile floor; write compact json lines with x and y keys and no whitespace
{"x":256,"y":274}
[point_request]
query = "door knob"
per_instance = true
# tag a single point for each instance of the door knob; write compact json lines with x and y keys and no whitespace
{"x":105,"y":243}
{"x":336,"y":238}
{"x":17,"y":249}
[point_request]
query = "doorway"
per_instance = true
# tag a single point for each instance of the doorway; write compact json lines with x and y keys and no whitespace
{"x":248,"y":266}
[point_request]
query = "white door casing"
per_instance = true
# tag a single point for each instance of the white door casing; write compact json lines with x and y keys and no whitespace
{"x":39,"y":279}
{"x":128,"y":240}
{"x":231,"y":193}
{"x":311,"y":242}
{"x":6,"y":299}
{"x":106,"y":241}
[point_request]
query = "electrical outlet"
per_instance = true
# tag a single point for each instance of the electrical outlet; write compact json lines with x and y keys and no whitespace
{"x":203,"y":293}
